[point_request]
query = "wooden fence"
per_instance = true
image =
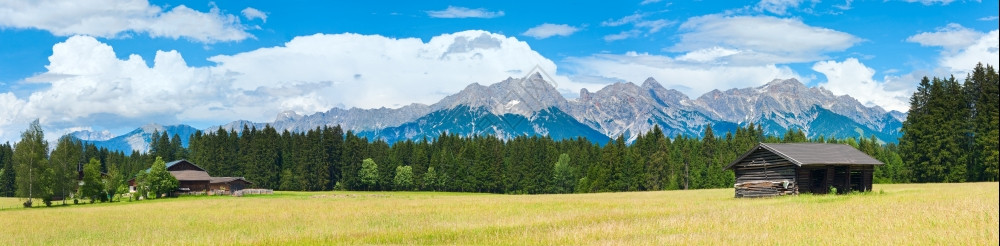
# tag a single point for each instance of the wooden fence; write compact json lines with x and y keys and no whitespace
{"x":253,"y":192}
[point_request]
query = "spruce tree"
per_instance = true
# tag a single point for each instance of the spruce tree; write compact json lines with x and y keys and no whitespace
{"x":7,"y":184}
{"x":66,"y":160}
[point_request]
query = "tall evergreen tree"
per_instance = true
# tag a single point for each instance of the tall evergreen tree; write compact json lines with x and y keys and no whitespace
{"x":7,"y":184}
{"x":66,"y":162}
{"x":92,"y":187}
{"x":562,"y":175}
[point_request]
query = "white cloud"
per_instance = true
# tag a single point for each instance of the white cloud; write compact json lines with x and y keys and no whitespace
{"x":930,"y":2}
{"x":654,"y":25}
{"x":90,"y":86}
{"x":691,"y":78}
{"x":119,"y":18}
{"x":463,"y":12}
{"x":622,"y":35}
{"x":707,"y":55}
{"x":766,"y":39}
{"x":778,"y":7}
{"x":986,"y":50}
{"x":845,"y":6}
{"x":639,"y":26}
{"x":962,"y":48}
{"x":252,"y":13}
{"x":10,"y":114}
{"x":644,"y":2}
{"x":989,"y":18}
{"x":547,"y":30}
{"x":952,"y":37}
{"x":853,"y":78}
{"x":624,"y":20}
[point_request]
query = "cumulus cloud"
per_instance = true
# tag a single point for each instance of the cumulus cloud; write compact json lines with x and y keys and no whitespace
{"x":463,"y":12}
{"x":118,"y":18}
{"x":88,"y":85}
{"x":853,"y":78}
{"x":952,"y":37}
{"x":962,"y":48}
{"x":762,"y":39}
{"x":547,"y":30}
{"x":691,"y":78}
{"x":778,"y":7}
{"x":252,"y":13}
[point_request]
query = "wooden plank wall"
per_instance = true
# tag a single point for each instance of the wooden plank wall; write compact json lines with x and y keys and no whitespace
{"x":804,"y":178}
{"x":763,"y":173}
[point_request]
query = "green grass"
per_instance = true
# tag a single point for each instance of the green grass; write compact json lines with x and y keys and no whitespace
{"x":964,"y":214}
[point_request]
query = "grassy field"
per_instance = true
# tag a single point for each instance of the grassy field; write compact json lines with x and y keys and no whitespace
{"x":964,"y":214}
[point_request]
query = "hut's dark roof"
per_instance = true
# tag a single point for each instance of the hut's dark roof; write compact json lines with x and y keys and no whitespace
{"x":216,"y":180}
{"x":172,"y":163}
{"x":190,"y":175}
{"x":803,"y":154}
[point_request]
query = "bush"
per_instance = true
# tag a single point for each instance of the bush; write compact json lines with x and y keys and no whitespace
{"x":27,"y":203}
{"x":833,"y":190}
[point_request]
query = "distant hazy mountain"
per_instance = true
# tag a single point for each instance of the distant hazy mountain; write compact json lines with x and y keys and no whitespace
{"x":92,"y":136}
{"x":532,"y":106}
{"x":139,"y":138}
{"x":783,"y":104}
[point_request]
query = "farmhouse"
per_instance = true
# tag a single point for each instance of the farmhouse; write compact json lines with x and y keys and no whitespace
{"x":785,"y":169}
{"x":193,"y":178}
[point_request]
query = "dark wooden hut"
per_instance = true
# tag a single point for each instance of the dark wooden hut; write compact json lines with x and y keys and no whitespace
{"x":229,"y":183}
{"x":191,"y":177}
{"x":786,"y":169}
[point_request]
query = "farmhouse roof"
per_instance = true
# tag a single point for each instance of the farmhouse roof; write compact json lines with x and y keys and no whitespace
{"x":803,"y":154}
{"x":216,"y":180}
{"x":172,"y":163}
{"x":191,"y":175}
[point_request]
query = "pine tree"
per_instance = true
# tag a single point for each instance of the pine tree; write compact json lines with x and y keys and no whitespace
{"x":7,"y":184}
{"x":982,"y":92}
{"x":916,"y":131}
{"x":562,"y":175}
{"x":92,"y":186}
{"x":66,"y":160}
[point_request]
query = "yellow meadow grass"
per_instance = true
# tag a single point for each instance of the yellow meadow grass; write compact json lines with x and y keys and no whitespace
{"x":963,"y":214}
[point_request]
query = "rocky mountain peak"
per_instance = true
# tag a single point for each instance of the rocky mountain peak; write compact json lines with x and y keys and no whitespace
{"x":152,"y":127}
{"x":287,"y":115}
{"x":584,"y":94}
{"x":87,"y":135}
{"x":522,"y":96}
{"x":651,"y":83}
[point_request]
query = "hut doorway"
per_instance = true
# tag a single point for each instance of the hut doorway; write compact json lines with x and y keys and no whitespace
{"x":841,"y":179}
{"x":817,"y":181}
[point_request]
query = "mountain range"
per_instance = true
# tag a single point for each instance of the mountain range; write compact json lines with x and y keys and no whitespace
{"x":532,"y":106}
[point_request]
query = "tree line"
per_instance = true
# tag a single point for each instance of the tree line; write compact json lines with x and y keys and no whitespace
{"x":328,"y":158}
{"x":951,"y":132}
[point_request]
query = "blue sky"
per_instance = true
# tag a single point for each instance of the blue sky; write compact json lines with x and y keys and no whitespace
{"x":117,"y":64}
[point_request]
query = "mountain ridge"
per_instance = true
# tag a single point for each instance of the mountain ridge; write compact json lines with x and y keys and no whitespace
{"x":536,"y":107}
